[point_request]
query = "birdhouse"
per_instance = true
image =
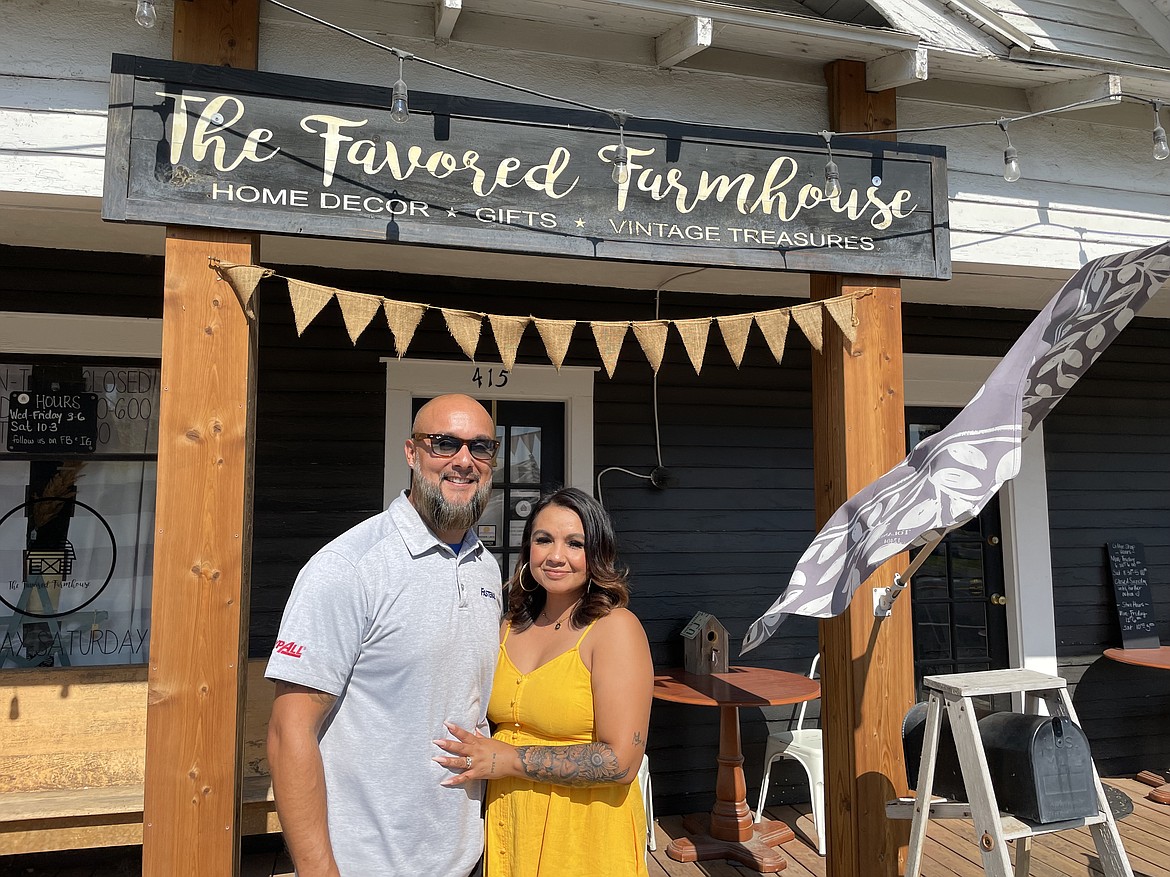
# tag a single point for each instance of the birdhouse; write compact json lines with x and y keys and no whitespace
{"x":706,"y":645}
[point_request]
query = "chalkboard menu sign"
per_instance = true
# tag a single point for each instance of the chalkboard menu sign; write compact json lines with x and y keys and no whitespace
{"x":1131,"y":588}
{"x":52,"y":423}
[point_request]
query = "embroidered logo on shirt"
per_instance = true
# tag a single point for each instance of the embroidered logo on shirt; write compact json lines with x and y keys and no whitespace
{"x":290,"y":648}
{"x":486,"y":593}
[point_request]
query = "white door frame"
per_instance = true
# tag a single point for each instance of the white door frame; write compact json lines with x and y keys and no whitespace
{"x":951,"y":381}
{"x":572,"y":385}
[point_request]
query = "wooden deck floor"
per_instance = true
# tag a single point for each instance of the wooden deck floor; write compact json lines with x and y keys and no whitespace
{"x":950,"y":850}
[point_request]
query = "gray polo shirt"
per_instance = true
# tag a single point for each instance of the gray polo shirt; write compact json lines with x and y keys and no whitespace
{"x":406,"y":635}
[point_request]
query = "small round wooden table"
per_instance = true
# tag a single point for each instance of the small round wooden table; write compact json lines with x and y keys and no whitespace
{"x":1158,"y":659}
{"x":728,"y":831}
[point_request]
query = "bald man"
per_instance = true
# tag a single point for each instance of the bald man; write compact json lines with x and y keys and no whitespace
{"x":391,"y":630}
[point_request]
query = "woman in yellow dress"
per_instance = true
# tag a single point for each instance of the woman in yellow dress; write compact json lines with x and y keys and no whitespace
{"x":570,"y":705}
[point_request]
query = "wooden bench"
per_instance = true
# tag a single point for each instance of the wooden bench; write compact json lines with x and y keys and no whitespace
{"x":73,"y":754}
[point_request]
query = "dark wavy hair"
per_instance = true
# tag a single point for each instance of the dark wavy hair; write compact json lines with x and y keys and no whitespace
{"x":608,"y":590}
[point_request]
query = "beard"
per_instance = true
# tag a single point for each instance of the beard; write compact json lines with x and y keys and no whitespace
{"x":442,"y":514}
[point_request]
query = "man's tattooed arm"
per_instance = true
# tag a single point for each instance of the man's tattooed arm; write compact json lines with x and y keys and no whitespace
{"x":585,"y":764}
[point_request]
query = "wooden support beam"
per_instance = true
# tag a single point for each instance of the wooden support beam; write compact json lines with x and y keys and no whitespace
{"x":897,"y":69}
{"x":203,"y":520}
{"x":446,"y":14}
{"x":689,"y":37}
{"x":867,"y":675}
{"x":1102,"y":90}
{"x":199,"y":616}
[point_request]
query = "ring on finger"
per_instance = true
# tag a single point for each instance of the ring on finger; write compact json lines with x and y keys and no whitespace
{"x":467,"y":758}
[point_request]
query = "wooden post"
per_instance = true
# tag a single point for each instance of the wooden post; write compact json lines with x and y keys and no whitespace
{"x":867,"y":676}
{"x":199,"y":614}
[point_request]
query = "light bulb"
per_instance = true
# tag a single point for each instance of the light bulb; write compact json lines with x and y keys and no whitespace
{"x":399,"y":108}
{"x":1161,"y":149}
{"x":145,"y":14}
{"x":1011,"y":164}
{"x":832,"y":180}
{"x":621,"y":166}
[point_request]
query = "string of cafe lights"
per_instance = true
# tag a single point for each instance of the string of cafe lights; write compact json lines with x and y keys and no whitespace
{"x":147,"y":17}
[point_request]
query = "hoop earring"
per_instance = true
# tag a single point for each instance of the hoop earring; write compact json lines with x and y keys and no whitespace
{"x":588,"y":586}
{"x":521,"y":580}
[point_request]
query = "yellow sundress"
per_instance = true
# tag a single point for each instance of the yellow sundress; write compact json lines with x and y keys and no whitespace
{"x":545,"y":830}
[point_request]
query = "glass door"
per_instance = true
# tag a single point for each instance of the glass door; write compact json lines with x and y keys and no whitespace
{"x":959,"y":606}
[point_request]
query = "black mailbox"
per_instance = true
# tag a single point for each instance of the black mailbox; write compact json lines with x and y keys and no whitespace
{"x":1041,"y":767}
{"x":948,"y":778}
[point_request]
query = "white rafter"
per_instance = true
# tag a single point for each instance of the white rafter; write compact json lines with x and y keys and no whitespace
{"x":778,"y":22}
{"x":689,"y":37}
{"x":446,"y":14}
{"x":1102,"y":90}
{"x":896,"y":69}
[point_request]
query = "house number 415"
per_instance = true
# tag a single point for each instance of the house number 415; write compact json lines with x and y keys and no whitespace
{"x":493,"y":377}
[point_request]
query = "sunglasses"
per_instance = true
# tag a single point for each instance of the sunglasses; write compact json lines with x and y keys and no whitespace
{"x":443,"y":445}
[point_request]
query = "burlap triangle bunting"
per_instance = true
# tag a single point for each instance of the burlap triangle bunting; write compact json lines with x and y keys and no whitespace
{"x":810,"y":318}
{"x":735,"y":331}
{"x":609,"y":338}
{"x":841,"y":310}
{"x":694,"y":337}
{"x":403,"y":318}
{"x":774,"y":325}
{"x":243,"y":280}
{"x":507,"y":331}
{"x":651,"y":334}
{"x":556,"y":335}
{"x":357,"y":309}
{"x":307,"y":300}
{"x":464,"y":327}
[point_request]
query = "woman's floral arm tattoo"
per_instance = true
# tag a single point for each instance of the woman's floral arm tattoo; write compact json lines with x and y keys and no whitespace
{"x":585,"y":764}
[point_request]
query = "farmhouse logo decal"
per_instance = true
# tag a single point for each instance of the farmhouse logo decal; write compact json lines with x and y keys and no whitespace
{"x":48,"y":575}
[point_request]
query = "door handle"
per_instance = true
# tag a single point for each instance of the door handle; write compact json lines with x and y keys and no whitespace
{"x":997,"y":600}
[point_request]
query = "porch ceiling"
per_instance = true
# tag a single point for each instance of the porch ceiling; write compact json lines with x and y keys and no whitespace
{"x":904,"y":41}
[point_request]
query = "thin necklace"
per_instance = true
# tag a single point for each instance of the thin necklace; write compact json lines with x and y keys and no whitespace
{"x":561,"y":621}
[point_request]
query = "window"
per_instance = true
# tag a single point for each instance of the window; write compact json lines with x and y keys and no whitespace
{"x":78,"y":452}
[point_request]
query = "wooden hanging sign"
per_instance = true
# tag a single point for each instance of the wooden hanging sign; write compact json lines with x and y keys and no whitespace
{"x":264,"y":152}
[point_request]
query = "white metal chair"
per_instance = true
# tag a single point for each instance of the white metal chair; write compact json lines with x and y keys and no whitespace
{"x":647,"y":801}
{"x":803,"y":745}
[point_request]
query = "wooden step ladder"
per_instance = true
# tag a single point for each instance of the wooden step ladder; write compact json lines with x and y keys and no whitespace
{"x":994,"y":829}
